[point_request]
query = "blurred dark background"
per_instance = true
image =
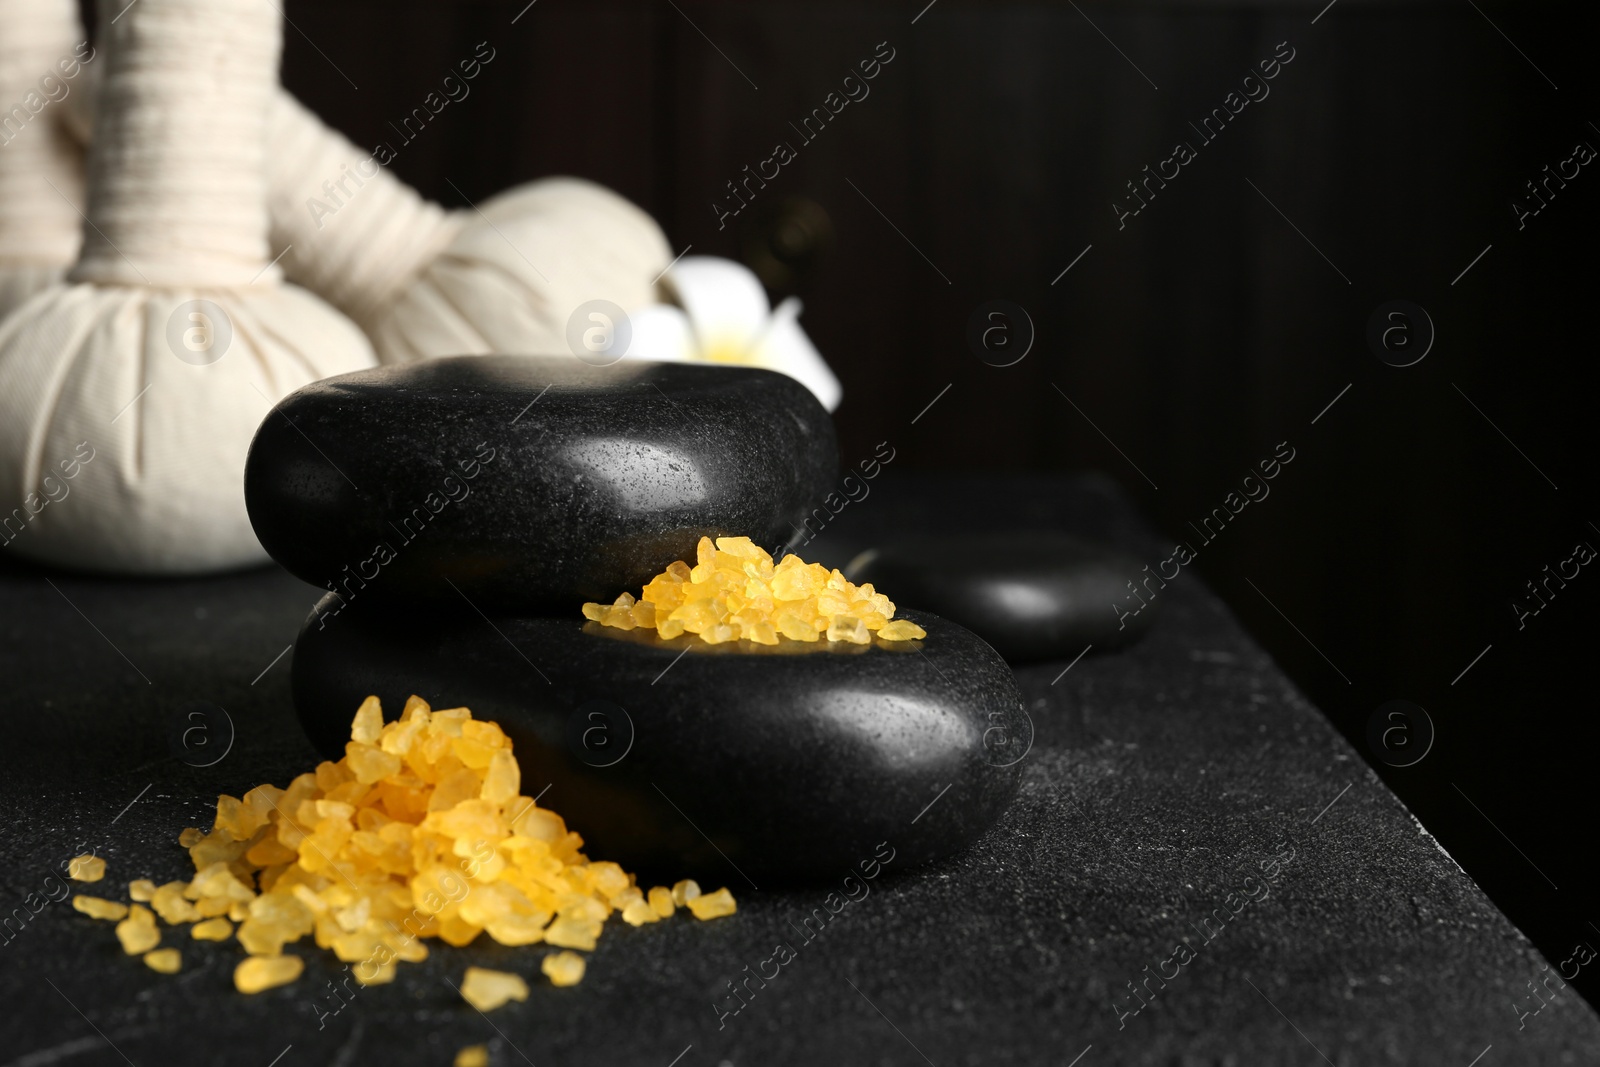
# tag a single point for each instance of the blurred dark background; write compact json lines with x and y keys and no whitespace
{"x":1220,"y":321}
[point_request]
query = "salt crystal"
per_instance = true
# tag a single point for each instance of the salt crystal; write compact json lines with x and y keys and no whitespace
{"x":563,"y":968}
{"x":486,"y":990}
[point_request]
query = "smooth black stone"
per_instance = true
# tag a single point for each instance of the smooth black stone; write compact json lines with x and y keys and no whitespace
{"x":380,"y":484}
{"x":738,"y":764}
{"x":1032,"y":595}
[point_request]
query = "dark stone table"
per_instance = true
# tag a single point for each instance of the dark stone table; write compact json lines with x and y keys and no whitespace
{"x":1162,"y":779}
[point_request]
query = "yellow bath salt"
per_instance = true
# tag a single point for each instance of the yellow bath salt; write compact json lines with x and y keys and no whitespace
{"x":661,"y":902}
{"x":169,"y":902}
{"x":473,"y":1056}
{"x":638,"y":912}
{"x":563,"y":968}
{"x":265,"y":972}
{"x":486,"y":989}
{"x":138,"y":932}
{"x":164,"y":960}
{"x":420,"y":831}
{"x":570,"y":932}
{"x":208,"y":907}
{"x":713,"y":905}
{"x":735,"y":592}
{"x":96,"y":908}
{"x":86,"y":868}
{"x":901,"y":630}
{"x":141,"y":889}
{"x":685,"y":891}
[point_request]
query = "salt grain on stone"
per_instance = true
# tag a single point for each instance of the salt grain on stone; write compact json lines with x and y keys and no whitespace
{"x":661,"y":901}
{"x":96,"y":908}
{"x":713,"y":905}
{"x":86,"y":868}
{"x":563,"y":968}
{"x":264,"y":972}
{"x":138,"y":932}
{"x":164,"y":960}
{"x":486,"y":989}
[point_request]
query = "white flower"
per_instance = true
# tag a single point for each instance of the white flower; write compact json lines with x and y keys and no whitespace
{"x":725,"y":318}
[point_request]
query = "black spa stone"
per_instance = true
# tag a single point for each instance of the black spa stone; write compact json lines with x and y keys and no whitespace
{"x":1032,"y":595}
{"x":529,"y":484}
{"x":736,"y":764}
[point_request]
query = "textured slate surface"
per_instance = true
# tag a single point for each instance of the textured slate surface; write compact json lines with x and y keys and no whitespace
{"x":1160,"y":780}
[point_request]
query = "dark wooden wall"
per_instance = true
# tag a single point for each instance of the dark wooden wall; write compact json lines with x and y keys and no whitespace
{"x":1196,"y":338}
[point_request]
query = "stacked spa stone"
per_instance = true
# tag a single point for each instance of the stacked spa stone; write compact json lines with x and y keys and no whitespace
{"x":460,"y":512}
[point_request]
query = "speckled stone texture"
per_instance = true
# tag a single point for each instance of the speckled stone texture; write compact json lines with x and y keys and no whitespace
{"x":1160,"y":779}
{"x":529,"y":484}
{"x":677,"y":758}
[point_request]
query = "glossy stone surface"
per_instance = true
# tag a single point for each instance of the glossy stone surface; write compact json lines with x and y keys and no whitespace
{"x":530,"y":484}
{"x":737,"y":764}
{"x":1032,"y":595}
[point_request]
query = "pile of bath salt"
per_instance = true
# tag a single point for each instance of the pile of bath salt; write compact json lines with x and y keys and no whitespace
{"x":419,"y":832}
{"x":734,"y":592}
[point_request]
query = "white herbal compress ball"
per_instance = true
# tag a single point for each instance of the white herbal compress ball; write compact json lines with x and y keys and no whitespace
{"x":42,"y":63}
{"x":504,"y":276}
{"x":129,"y":393}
